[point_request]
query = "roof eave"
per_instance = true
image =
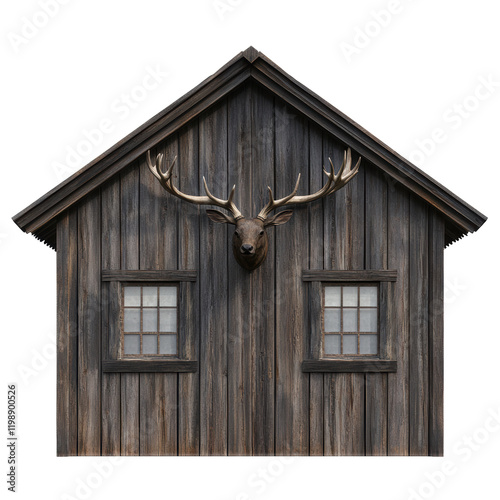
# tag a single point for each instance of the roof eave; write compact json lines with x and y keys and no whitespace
{"x":41,"y":215}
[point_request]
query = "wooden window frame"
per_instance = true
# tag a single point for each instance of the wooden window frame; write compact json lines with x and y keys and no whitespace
{"x":318,"y":362}
{"x":113,"y":361}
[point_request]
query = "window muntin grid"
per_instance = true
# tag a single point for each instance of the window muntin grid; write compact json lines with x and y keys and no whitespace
{"x":350,"y":320}
{"x":149,"y":320}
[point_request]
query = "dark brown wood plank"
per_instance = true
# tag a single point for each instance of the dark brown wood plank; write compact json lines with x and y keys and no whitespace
{"x":398,"y":383}
{"x":149,"y":366}
{"x":240,"y":342}
{"x":263,"y":279}
{"x":419,"y":325}
{"x":158,"y":251}
{"x":189,"y":255}
{"x":130,"y":438}
{"x":348,"y":366}
{"x":149,"y":275}
{"x":316,"y":259}
{"x":292,"y":386}
{"x":436,"y":330}
{"x":89,"y":326}
{"x":376,"y":258}
{"x":360,"y":275}
{"x":111,"y":259}
{"x":67,"y":335}
{"x":214,"y":286}
{"x":344,"y":230}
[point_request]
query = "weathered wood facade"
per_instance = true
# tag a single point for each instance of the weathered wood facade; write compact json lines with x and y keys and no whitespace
{"x":246,"y":390}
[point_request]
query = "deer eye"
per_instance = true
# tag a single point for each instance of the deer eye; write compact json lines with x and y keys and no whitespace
{"x":236,"y":233}
{"x":261,"y":233}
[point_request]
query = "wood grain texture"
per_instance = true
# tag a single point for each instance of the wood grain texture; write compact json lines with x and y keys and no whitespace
{"x":292,"y":386}
{"x":240,"y":342}
{"x":263,"y":279}
{"x":214,"y":284}
{"x":67,"y":335}
{"x":89,"y":326}
{"x":361,"y":275}
{"x":249,"y":380}
{"x":419,"y":328}
{"x":315,"y":291}
{"x":189,"y":258}
{"x":349,"y":366}
{"x":376,"y":258}
{"x":129,"y":399}
{"x":436,"y":331}
{"x":158,"y":251}
{"x":111,"y":259}
{"x":149,"y":275}
{"x":398,"y":225}
{"x":344,"y":230}
{"x":149,"y":366}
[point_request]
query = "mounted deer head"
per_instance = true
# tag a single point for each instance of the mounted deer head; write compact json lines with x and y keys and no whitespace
{"x":250,"y":242}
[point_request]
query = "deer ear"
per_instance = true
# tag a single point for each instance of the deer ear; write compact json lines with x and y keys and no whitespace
{"x":278,"y":219}
{"x":219,"y":217}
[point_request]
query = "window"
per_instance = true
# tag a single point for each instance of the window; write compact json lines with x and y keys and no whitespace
{"x":350,"y":324}
{"x":350,"y":320}
{"x":149,"y":326}
{"x":150,"y":321}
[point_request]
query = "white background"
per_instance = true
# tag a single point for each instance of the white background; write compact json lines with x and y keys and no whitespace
{"x":416,"y":65}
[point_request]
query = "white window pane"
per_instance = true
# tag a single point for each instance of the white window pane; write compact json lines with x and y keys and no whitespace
{"x":132,"y":344}
{"x":149,"y":344}
{"x":132,"y":296}
{"x":368,"y":344}
{"x":150,"y":296}
{"x":168,"y":344}
{"x":332,"y":320}
{"x":368,"y":296}
{"x":332,"y":296}
{"x":350,"y":317}
{"x":350,"y":298}
{"x":150,"y":320}
{"x":350,"y":344}
{"x":332,"y":344}
{"x":168,"y":320}
{"x":132,"y":320}
{"x":168,"y":296}
{"x":368,"y":320}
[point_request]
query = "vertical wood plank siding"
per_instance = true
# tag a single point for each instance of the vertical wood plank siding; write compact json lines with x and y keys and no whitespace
{"x":67,"y":334}
{"x":249,"y":332}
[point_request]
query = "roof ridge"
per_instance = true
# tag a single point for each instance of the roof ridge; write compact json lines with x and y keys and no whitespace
{"x":249,"y":64}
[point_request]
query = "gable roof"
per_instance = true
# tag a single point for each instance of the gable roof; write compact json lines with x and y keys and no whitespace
{"x":41,"y":216}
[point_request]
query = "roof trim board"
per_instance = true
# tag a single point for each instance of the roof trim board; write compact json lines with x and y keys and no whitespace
{"x":40,"y":217}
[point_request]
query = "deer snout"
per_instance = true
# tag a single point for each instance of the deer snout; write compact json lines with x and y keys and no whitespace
{"x":247,"y":249}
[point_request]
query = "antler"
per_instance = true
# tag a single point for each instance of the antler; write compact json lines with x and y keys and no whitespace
{"x":333,"y":183}
{"x":165,"y":179}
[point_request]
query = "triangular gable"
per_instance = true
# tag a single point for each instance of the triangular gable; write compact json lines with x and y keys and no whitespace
{"x":40,"y":217}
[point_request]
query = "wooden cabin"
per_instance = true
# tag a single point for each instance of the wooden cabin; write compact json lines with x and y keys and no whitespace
{"x":168,"y":346}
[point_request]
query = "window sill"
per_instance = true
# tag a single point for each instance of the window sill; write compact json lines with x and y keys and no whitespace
{"x":149,"y":366}
{"x":348,"y":366}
